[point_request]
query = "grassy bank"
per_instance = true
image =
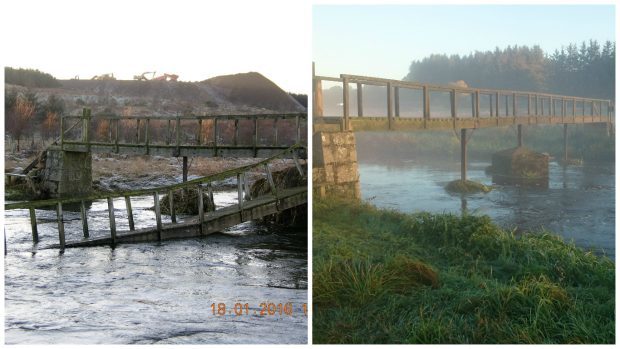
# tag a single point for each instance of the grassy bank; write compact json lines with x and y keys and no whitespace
{"x":387,"y":277}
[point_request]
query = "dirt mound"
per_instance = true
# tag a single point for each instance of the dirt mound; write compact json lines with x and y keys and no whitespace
{"x":253,"y":89}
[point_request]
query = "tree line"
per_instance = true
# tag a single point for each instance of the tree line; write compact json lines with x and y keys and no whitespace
{"x":29,"y":78}
{"x":585,"y":70}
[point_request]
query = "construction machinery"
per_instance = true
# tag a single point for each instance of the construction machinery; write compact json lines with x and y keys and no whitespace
{"x":167,"y":77}
{"x":109,"y":76}
{"x":142,"y":77}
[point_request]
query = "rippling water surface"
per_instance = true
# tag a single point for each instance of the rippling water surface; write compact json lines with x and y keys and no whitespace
{"x":153,"y":292}
{"x":579,"y":203}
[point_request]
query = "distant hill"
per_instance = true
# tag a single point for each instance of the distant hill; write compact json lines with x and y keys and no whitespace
{"x":254,"y":89}
{"x":240,"y":93}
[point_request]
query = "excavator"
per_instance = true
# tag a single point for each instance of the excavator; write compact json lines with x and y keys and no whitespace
{"x":167,"y":77}
{"x":142,"y":77}
{"x":109,"y":76}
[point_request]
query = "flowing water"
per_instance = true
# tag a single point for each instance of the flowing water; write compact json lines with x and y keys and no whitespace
{"x":168,"y":292}
{"x":579,"y":203}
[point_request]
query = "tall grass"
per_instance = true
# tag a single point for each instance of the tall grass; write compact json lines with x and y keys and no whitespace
{"x":386,"y":277}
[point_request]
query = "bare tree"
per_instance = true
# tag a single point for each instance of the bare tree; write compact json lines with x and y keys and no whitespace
{"x":19,"y":119}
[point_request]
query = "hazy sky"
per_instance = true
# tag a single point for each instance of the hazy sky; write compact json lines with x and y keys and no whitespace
{"x":382,"y":40}
{"x":194,"y":39}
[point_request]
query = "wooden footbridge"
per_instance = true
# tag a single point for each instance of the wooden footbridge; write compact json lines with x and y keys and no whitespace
{"x":439,"y":106}
{"x":264,"y":135}
{"x":247,"y":207}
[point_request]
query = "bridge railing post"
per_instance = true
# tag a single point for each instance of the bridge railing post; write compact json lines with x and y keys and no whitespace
{"x":33,"y":225}
{"x":345,"y":102}
{"x":61,"y":226}
{"x":360,"y":101}
{"x":426,"y":103}
{"x":390,"y":106}
{"x":453,"y":101}
{"x":201,"y":210}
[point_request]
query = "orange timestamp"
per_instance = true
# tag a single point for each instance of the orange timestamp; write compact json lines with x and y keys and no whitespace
{"x":263,"y":309}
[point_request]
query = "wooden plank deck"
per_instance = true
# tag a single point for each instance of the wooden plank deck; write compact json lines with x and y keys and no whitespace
{"x":213,"y":221}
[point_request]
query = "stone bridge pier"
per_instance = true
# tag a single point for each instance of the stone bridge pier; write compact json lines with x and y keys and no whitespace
{"x":334,"y":169}
{"x":67,"y":173}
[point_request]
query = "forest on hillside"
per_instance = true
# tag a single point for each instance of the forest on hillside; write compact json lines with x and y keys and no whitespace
{"x":585,"y":70}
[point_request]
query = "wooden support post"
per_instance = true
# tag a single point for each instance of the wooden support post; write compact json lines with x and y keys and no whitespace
{"x":360,"y":101}
{"x":255,"y":135}
{"x":565,"y":143}
{"x":299,"y":169}
{"x":129,"y":213}
{"x":62,"y":132}
{"x":563,"y":108}
{"x":477,"y":104}
{"x":33,"y":225}
{"x":61,"y":226}
{"x":497,"y":104}
{"x":168,"y":132}
{"x":298,"y":126}
{"x":240,"y":190}
{"x":519,"y":135}
{"x":199,"y":131}
{"x":201,"y":210}
{"x":506,"y":102}
{"x":236,"y":134}
{"x":591,"y":108}
{"x":272,"y":184}
{"x":390,"y":106}
{"x":178,"y":136}
{"x":397,"y":101}
{"x":246,"y":187}
{"x":215,"y":135}
{"x":514,"y":104}
{"x":157,"y":214}
{"x":345,"y":102}
{"x":491,"y":105}
{"x":210,"y":194}
{"x":453,"y":101}
{"x":84,"y":215}
{"x":583,"y":107}
{"x":173,"y":216}
{"x":551,"y":106}
{"x":184,"y":169}
{"x":117,"y":123}
{"x":137,"y":131}
{"x":574,"y":107}
{"x":275,"y":131}
{"x":112,"y":220}
{"x":426,"y":102}
{"x":110,"y":131}
{"x":86,"y":127}
{"x":463,"y":154}
{"x":529,"y":104}
{"x":146,"y":136}
{"x":536,"y":105}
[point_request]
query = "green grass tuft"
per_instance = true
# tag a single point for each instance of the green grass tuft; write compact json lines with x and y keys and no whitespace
{"x":381,"y":276}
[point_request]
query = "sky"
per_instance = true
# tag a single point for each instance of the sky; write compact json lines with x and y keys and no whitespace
{"x":194,"y":39}
{"x":383,"y":40}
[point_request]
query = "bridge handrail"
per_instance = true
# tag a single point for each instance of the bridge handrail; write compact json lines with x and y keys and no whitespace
{"x":367,"y":80}
{"x":193,"y":117}
{"x":190,"y":183}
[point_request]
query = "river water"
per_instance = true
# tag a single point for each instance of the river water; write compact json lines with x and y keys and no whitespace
{"x":579,"y":203}
{"x":154,"y":292}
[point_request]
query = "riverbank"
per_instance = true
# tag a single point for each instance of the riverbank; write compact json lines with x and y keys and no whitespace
{"x":386,"y":277}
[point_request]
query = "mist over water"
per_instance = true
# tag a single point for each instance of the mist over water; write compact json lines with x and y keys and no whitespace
{"x":153,"y":292}
{"x":579,"y":203}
